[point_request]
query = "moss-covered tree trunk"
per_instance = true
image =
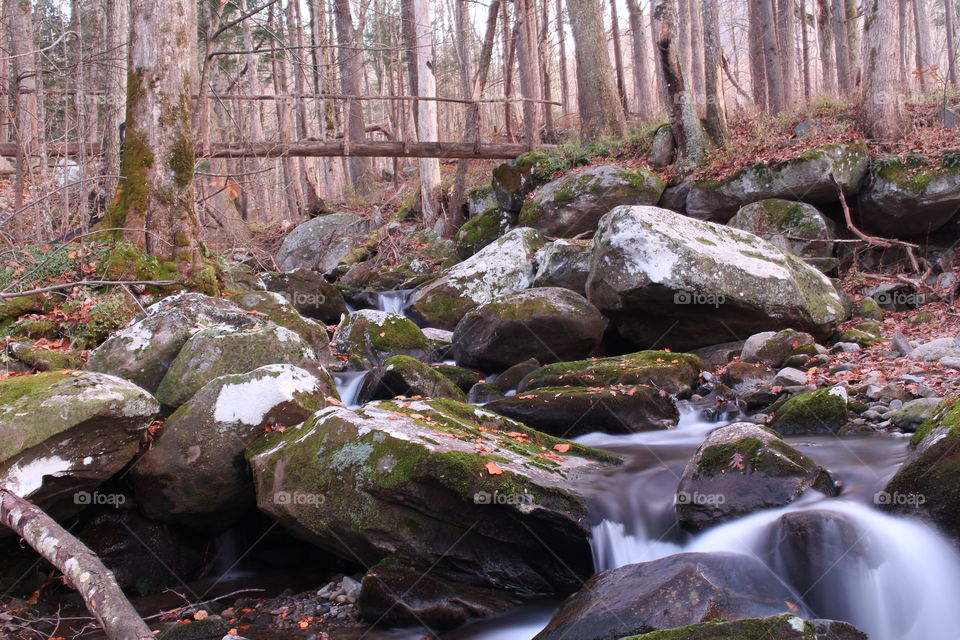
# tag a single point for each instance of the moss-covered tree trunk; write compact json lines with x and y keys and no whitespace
{"x":155,"y":198}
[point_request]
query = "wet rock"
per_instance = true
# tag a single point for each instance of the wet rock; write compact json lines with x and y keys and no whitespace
{"x":406,"y":376}
{"x":322,"y":242}
{"x":376,"y":336}
{"x":483,"y":392}
{"x":206,"y":629}
{"x":784,"y":627}
{"x":564,"y":263}
{"x":818,"y":411}
{"x":463,"y":378}
{"x":514,"y":180}
{"x":512,"y":377}
{"x":720,"y":354}
{"x":309,"y":293}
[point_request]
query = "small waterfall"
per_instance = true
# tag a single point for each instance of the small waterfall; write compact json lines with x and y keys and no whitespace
{"x":393,"y":301}
{"x":349,"y":384}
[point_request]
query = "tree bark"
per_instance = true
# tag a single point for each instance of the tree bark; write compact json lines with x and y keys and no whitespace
{"x":618,"y":57}
{"x":28,"y":107}
{"x":546,"y":83}
{"x":601,"y":113}
{"x":758,"y":72}
{"x":562,"y":39}
{"x":882,"y":109}
{"x":351,"y":70}
{"x":697,"y":82}
{"x":641,"y":64}
{"x":711,"y":58}
{"x":771,"y":57}
{"x":950,"y":20}
{"x":903,"y":16}
{"x":115,"y":75}
{"x":922,"y":35}
{"x":427,"y":127}
{"x":825,"y":34}
{"x":805,"y":52}
{"x":786,"y":29}
{"x":841,"y":39}
{"x":529,"y":74}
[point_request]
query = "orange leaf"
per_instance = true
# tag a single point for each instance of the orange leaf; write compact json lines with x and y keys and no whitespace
{"x":562,"y":448}
{"x":493,"y":469}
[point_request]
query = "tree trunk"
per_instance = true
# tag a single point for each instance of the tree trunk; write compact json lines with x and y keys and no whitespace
{"x":562,"y":39}
{"x":882,"y":109}
{"x":351,"y":72}
{"x":805,"y":52}
{"x":786,"y":29}
{"x":80,"y":566}
{"x":312,"y":202}
{"x":618,"y":57}
{"x":28,"y":107}
{"x":115,"y":75}
{"x":711,"y":58}
{"x":509,"y":51}
{"x":600,"y":111}
{"x":641,"y":65}
{"x":156,"y":196}
{"x":922,"y":36}
{"x":771,"y":56}
{"x":291,"y":185}
{"x":758,"y":73}
{"x":529,"y":75}
{"x":825,"y":34}
{"x":903,"y":16}
{"x":841,"y":39}
{"x":697,"y":85}
{"x":950,"y":20}
{"x":546,"y":82}
{"x":427,"y":110}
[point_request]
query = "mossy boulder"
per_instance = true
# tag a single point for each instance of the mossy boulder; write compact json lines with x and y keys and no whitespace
{"x":672,"y":372}
{"x":666,"y":279}
{"x":309,"y":293}
{"x":787,"y":224}
{"x":64,"y":433}
{"x":783,"y":627}
{"x":221,"y":351}
{"x":481,"y":230}
{"x":868,"y":308}
{"x":276,"y":308}
{"x":915,"y":412}
{"x":568,"y":412}
{"x":548,"y":324}
{"x":144,"y":349}
{"x":479,"y":200}
{"x":322,"y":242}
{"x":574,"y":203}
{"x":772,"y":348}
{"x":741,"y":469}
{"x":675,"y":591}
{"x":43,"y":359}
{"x":906,"y":202}
{"x":195,"y":473}
{"x":438,"y":485}
{"x":13,"y":308}
{"x":463,"y":378}
{"x":411,"y":258}
{"x":514,"y":180}
{"x":406,"y":376}
{"x":375,"y":336}
{"x":806,"y":178}
{"x":502,"y":267}
{"x":564,"y":263}
{"x":817,"y":411}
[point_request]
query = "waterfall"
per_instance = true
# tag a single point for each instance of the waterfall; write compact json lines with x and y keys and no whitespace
{"x":349,"y":384}
{"x":393,"y":301}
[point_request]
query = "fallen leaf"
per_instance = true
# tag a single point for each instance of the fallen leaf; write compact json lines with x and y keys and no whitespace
{"x":562,"y":448}
{"x":493,"y":469}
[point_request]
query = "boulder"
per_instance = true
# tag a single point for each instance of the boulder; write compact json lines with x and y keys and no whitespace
{"x":216,"y":352}
{"x":144,"y":349}
{"x":564,"y":263}
{"x":512,"y":377}
{"x":478,"y":200}
{"x":568,"y":412}
{"x":309,"y":293}
{"x":481,"y":230}
{"x":805,"y":178}
{"x":64,"y":433}
{"x":500,"y":268}
{"x":671,"y":592}
{"x":663,"y":147}
{"x":740,"y":469}
{"x":915,"y":412}
{"x":42,"y":359}
{"x":195,"y":473}
{"x":573,"y":204}
{"x":773,"y":347}
{"x":904,"y":202}
{"x":936,"y":349}
{"x":277,"y":309}
{"x":322,"y":242}
{"x":673,"y":372}
{"x":784,"y":627}
{"x":375,"y":336}
{"x":463,"y":378}
{"x":663,"y":278}
{"x":548,"y":324}
{"x":439,"y":485}
{"x":514,"y":180}
{"x":817,"y":411}
{"x":406,"y":376}
{"x":416,"y":257}
{"x":783,"y":223}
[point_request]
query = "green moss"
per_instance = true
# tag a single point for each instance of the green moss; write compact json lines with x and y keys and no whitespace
{"x":922,"y":317}
{"x":136,"y":160}
{"x":747,"y":629}
{"x":663,"y":369}
{"x":856,"y":336}
{"x":397,"y":333}
{"x":815,"y":411}
{"x":947,"y":416}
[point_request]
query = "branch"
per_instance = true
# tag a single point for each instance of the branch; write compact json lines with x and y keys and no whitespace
{"x":88,"y":283}
{"x":239,"y":19}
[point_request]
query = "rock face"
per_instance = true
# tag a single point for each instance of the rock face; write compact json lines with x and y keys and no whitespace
{"x":902,"y":202}
{"x":406,"y":376}
{"x":276,"y":308}
{"x":818,"y":411}
{"x":375,"y":336}
{"x":195,"y":472}
{"x":548,"y":324}
{"x":564,"y":263}
{"x":673,"y":372}
{"x":309,"y":293}
{"x":513,"y":180}
{"x":438,"y":485}
{"x":675,"y":591}
{"x":781,"y":222}
{"x":665,"y":279}
{"x":500,"y":268}
{"x":62,"y":434}
{"x":481,"y":230}
{"x":806,"y":178}
{"x":568,"y":412}
{"x":742,"y":468}
{"x":574,"y":203}
{"x":321,"y":243}
{"x":785,"y":627}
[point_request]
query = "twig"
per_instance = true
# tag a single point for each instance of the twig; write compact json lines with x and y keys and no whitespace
{"x":195,"y":605}
{"x":89,"y":283}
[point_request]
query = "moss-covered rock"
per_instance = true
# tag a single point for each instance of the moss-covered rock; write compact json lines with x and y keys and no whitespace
{"x":785,"y":224}
{"x":858,"y":336}
{"x":406,"y":376}
{"x":672,"y":372}
{"x":402,"y":259}
{"x":12,"y":308}
{"x":321,"y":243}
{"x":907,"y":202}
{"x":783,"y":627}
{"x":868,"y":308}
{"x":513,"y":180}
{"x":740,"y":469}
{"x":463,"y":378}
{"x":481,"y":230}
{"x":772,"y":348}
{"x":478,"y":200}
{"x":915,"y":412}
{"x":564,"y":263}
{"x":309,"y":293}
{"x":375,"y":336}
{"x":818,"y":411}
{"x":414,"y":480}
{"x":43,"y":359}
{"x":574,"y":203}
{"x":276,"y":308}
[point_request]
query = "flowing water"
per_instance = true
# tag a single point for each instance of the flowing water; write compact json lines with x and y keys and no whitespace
{"x":393,"y":301}
{"x":349,"y":384}
{"x":894,"y":578}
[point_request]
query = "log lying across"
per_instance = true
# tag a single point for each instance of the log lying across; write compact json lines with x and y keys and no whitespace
{"x":95,"y":583}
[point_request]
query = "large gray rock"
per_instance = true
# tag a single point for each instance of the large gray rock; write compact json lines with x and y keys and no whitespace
{"x":375,"y":336}
{"x":574,"y":203}
{"x":905,"y":203}
{"x":666,"y":279}
{"x":514,"y":180}
{"x":321,"y":243}
{"x":195,"y":472}
{"x":548,"y":324}
{"x":818,"y":411}
{"x":742,"y":468}
{"x":806,"y":178}
{"x":785,"y":224}
{"x":501,"y":267}
{"x":309,"y":293}
{"x":406,"y":376}
{"x":481,"y":230}
{"x":276,"y":308}
{"x":564,"y":263}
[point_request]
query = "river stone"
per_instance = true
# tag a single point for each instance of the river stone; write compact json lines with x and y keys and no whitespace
{"x":671,"y":592}
{"x":740,"y":469}
{"x":782,"y":222}
{"x":216,"y":352}
{"x":144,"y":349}
{"x":568,"y":412}
{"x":309,"y":293}
{"x":322,"y":242}
{"x":936,"y":349}
{"x":375,"y":336}
{"x":784,"y":627}
{"x":564,"y":263}
{"x":64,"y":433}
{"x":406,"y":376}
{"x":673,"y":372}
{"x":195,"y":472}
{"x":663,"y":278}
{"x":915,"y":412}
{"x":805,"y":178}
{"x":481,"y":230}
{"x":502,"y":267}
{"x":574,"y":203}
{"x":512,"y":377}
{"x":905,"y":203}
{"x":772,"y":348}
{"x":817,"y":411}
{"x":548,"y":324}
{"x":276,"y":308}
{"x":513,"y":180}
{"x":438,"y":485}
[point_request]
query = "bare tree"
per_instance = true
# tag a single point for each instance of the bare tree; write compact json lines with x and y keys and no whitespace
{"x":28,"y":107}
{"x":562,"y":41}
{"x":841,"y":39}
{"x":882,"y":109}
{"x":641,"y":65}
{"x":758,"y":72}
{"x":526,"y":17}
{"x":426,"y":110}
{"x":924,"y":51}
{"x":786,"y":29}
{"x":771,"y":56}
{"x":601,"y":113}
{"x":351,"y":72}
{"x":950,"y":23}
{"x":115,"y":41}
{"x":618,"y":56}
{"x":711,"y":41}
{"x":825,"y":32}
